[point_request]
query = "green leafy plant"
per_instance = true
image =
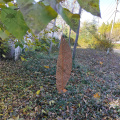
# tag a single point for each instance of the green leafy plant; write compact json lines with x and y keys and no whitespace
{"x":90,"y":38}
{"x":105,"y":29}
{"x":39,"y":63}
{"x":101,"y":43}
{"x":29,"y":17}
{"x":4,"y":47}
{"x":41,"y":44}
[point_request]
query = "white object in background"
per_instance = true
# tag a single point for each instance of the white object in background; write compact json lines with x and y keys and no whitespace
{"x":108,"y":50}
{"x":18,"y":50}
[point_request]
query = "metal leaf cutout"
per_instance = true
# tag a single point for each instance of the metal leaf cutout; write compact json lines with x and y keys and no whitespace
{"x":64,"y":66}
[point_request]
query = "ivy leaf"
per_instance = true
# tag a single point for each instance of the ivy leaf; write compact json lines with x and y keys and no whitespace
{"x":91,"y":6}
{"x":14,"y":22}
{"x":36,"y":15}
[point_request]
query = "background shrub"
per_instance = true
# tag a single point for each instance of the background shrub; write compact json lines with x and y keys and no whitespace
{"x":4,"y":47}
{"x":101,"y":43}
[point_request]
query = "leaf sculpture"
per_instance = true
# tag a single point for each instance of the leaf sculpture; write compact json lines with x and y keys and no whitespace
{"x":64,"y":66}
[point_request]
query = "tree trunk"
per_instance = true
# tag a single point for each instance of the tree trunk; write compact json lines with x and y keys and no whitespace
{"x":0,"y":49}
{"x":52,"y":36}
{"x":77,"y":35}
{"x":69,"y":36}
{"x":70,"y":28}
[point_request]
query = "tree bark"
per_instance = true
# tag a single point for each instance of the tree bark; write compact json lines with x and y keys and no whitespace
{"x":70,"y":28}
{"x":77,"y":35}
{"x":0,"y":49}
{"x":69,"y":36}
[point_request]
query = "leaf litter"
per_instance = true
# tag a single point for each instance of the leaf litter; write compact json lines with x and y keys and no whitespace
{"x":93,"y":90}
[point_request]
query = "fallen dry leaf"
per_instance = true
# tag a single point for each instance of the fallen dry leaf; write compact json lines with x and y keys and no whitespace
{"x":46,"y":66}
{"x":96,"y":95}
{"x":64,"y":66}
{"x":114,"y":103}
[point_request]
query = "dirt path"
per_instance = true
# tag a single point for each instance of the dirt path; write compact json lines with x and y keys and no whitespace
{"x":116,"y":50}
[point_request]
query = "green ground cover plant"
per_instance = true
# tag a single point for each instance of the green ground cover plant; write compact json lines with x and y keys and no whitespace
{"x":28,"y":88}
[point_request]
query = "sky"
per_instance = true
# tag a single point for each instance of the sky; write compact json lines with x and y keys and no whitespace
{"x":107,"y":8}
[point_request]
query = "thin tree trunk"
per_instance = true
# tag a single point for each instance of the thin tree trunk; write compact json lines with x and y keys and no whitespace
{"x":70,"y":28}
{"x":69,"y":36}
{"x":0,"y":49}
{"x":52,"y":36}
{"x":77,"y":35}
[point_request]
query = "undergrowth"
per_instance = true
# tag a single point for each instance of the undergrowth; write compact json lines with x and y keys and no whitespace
{"x":21,"y":80}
